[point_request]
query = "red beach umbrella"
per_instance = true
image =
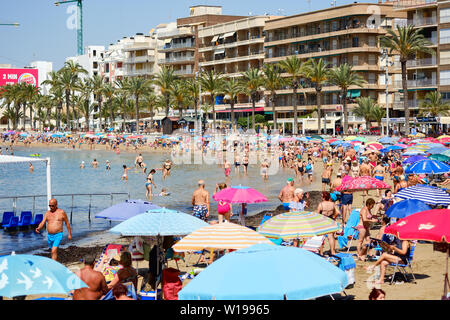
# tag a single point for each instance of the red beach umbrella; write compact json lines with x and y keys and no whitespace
{"x":362,"y":184}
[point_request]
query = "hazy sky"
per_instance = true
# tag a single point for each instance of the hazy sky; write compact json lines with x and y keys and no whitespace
{"x":43,"y":33}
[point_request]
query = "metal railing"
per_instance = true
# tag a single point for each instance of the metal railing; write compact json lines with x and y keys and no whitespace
{"x":423,"y":21}
{"x":421,"y":62}
{"x":412,"y":3}
{"x":72,"y":196}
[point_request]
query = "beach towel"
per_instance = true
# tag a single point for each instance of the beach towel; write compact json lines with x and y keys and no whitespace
{"x":171,"y":283}
{"x":352,"y":222}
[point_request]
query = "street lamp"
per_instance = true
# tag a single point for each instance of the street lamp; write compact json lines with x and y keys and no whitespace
{"x":385,"y":57}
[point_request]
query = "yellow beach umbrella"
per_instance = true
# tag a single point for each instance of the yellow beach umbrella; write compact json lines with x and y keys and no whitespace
{"x":443,"y":137}
{"x":351,"y":138}
{"x":220,"y":236}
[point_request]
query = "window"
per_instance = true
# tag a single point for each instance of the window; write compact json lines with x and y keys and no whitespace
{"x":444,"y":15}
{"x":372,"y":78}
{"x":372,"y":59}
{"x":444,"y":77}
{"x":445,"y":96}
{"x":372,"y":41}
{"x":95,"y":53}
{"x":444,"y":36}
{"x":95,"y":65}
{"x":355,"y":60}
{"x":444,"y":57}
{"x":355,"y":42}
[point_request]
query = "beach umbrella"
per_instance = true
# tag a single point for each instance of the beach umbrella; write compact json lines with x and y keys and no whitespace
{"x":440,"y":157}
{"x":239,"y":194}
{"x":287,"y":139}
{"x":375,"y":145}
{"x":220,"y":236}
{"x":446,"y":153}
{"x":361,"y":184}
{"x":428,"y":194}
{"x":25,"y":274}
{"x":295,"y":225}
{"x":414,"y":153}
{"x":316,"y":136}
{"x":404,"y":140}
{"x":387,"y":140}
{"x":413,"y":159}
{"x":125,"y":210}
{"x":159,"y":222}
{"x":428,"y":167}
{"x":337,"y":142}
{"x":266,"y":272}
{"x":437,"y":150}
{"x":430,"y":225}
{"x":405,"y":208}
{"x":443,"y":137}
{"x":303,"y":139}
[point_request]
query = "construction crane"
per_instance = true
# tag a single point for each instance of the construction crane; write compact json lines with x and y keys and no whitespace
{"x":15,"y":24}
{"x":80,"y":45}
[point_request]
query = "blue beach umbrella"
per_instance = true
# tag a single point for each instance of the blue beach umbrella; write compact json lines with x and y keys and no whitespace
{"x":266,"y":272}
{"x":389,"y":148}
{"x":337,"y":143}
{"x":414,"y":159}
{"x":125,"y":210}
{"x":25,"y":274}
{"x":387,"y":140}
{"x":428,"y":167}
{"x":437,"y":150}
{"x":428,"y":194}
{"x":159,"y":222}
{"x":405,"y":208}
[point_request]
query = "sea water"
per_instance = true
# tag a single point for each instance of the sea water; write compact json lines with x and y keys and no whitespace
{"x":68,"y":178}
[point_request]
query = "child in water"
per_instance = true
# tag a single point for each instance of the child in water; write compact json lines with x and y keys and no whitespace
{"x":164,"y":193}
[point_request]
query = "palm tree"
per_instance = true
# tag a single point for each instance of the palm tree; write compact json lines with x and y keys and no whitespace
{"x":273,"y":81}
{"x":231,"y":89}
{"x":344,"y":77}
{"x":85,"y":88}
{"x":68,"y":82}
{"x":212,"y":84}
{"x":149,"y":102}
{"x":193,"y":90}
{"x":137,"y":87}
{"x":164,"y":80}
{"x":433,"y":106}
{"x":252,"y":82}
{"x":378,"y":114}
{"x":109,"y":92}
{"x":57,"y":96}
{"x":7,"y":95}
{"x":365,"y":109}
{"x":178,"y":94}
{"x":293,"y":66}
{"x":97,"y":83}
{"x":405,"y":41}
{"x":317,"y":71}
{"x":28,"y":93}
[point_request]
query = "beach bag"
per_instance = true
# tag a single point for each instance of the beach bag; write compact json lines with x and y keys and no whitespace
{"x":171,"y":284}
{"x":223,"y":207}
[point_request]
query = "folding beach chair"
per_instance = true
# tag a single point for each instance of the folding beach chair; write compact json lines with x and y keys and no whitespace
{"x":172,"y":255}
{"x":402,"y":267}
{"x":350,"y":231}
{"x":131,"y":292}
{"x":314,"y":244}
{"x":110,"y":250}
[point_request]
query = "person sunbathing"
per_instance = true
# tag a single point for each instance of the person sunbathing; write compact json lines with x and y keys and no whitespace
{"x":127,"y":273}
{"x":94,"y":279}
{"x":120,"y":292}
{"x":398,"y":253}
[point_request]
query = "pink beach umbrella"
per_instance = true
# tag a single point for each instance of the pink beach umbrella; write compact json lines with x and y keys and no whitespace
{"x":240,"y":194}
{"x":375,"y":145}
{"x":362,"y":184}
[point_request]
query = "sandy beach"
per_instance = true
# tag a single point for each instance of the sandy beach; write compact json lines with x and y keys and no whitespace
{"x":428,"y":265}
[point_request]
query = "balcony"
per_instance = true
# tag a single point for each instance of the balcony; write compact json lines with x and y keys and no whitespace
{"x":413,"y":104}
{"x":219,"y":59}
{"x":183,"y":72}
{"x":412,"y":3}
{"x":140,"y":72}
{"x":169,"y":47}
{"x":425,"y":82}
{"x":176,"y":60}
{"x":417,"y":63}
{"x":142,"y":59}
{"x":418,"y":22}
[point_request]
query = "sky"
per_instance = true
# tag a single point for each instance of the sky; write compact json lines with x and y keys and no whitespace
{"x":43,"y":33}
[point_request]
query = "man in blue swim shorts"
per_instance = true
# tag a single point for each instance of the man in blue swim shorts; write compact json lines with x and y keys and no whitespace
{"x":287,"y":194}
{"x":54,"y":219}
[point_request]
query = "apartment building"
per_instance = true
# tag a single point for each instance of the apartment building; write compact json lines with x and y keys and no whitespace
{"x":91,"y":60}
{"x":232,"y":48}
{"x":141,"y":56}
{"x":342,"y":34}
{"x":180,"y":44}
{"x":113,"y":65}
{"x":428,"y":72}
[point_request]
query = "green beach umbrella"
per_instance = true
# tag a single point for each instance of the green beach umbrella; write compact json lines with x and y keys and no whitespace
{"x":446,"y":153}
{"x":439,"y":157}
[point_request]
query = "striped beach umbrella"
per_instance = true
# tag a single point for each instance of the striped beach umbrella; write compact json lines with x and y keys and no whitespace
{"x":361,"y":184}
{"x":295,"y":225}
{"x":375,"y":145}
{"x":220,"y":236}
{"x":428,"y":194}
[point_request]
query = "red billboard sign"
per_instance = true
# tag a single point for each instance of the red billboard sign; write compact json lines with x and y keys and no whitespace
{"x":13,"y":76}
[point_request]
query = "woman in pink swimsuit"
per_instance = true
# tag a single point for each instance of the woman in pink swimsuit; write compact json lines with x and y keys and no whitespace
{"x":365,"y":219}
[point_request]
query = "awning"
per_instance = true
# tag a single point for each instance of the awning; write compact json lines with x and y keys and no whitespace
{"x":215,"y":39}
{"x":220,"y":51}
{"x":241,"y":110}
{"x":444,"y":120}
{"x":221,"y":37}
{"x":353,"y":93}
{"x":229,"y":34}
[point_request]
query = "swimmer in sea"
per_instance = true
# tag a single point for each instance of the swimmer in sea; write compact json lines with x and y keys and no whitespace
{"x":124,"y":176}
{"x":164,"y":193}
{"x":82,"y":165}
{"x":94,"y":164}
{"x":31,"y":168}
{"x":108,"y":165}
{"x":149,"y":185}
{"x":167,"y":165}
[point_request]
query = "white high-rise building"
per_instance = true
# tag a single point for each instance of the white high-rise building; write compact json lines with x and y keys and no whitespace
{"x":90,"y":60}
{"x":44,"y":68}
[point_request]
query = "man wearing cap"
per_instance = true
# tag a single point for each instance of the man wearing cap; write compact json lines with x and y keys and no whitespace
{"x":287,"y":194}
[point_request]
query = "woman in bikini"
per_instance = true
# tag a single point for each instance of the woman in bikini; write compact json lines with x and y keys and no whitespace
{"x":149,"y":185}
{"x":329,"y":209}
{"x":124,"y":176}
{"x":365,"y":220}
{"x":245,"y":163}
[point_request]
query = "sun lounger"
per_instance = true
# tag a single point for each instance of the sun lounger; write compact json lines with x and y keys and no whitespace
{"x":12,"y":224}
{"x":350,"y":231}
{"x":25,"y":220}
{"x":7,"y":215}
{"x":37,"y":219}
{"x":313,"y":244}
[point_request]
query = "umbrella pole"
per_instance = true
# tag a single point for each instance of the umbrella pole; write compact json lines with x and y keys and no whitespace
{"x":446,"y":280}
